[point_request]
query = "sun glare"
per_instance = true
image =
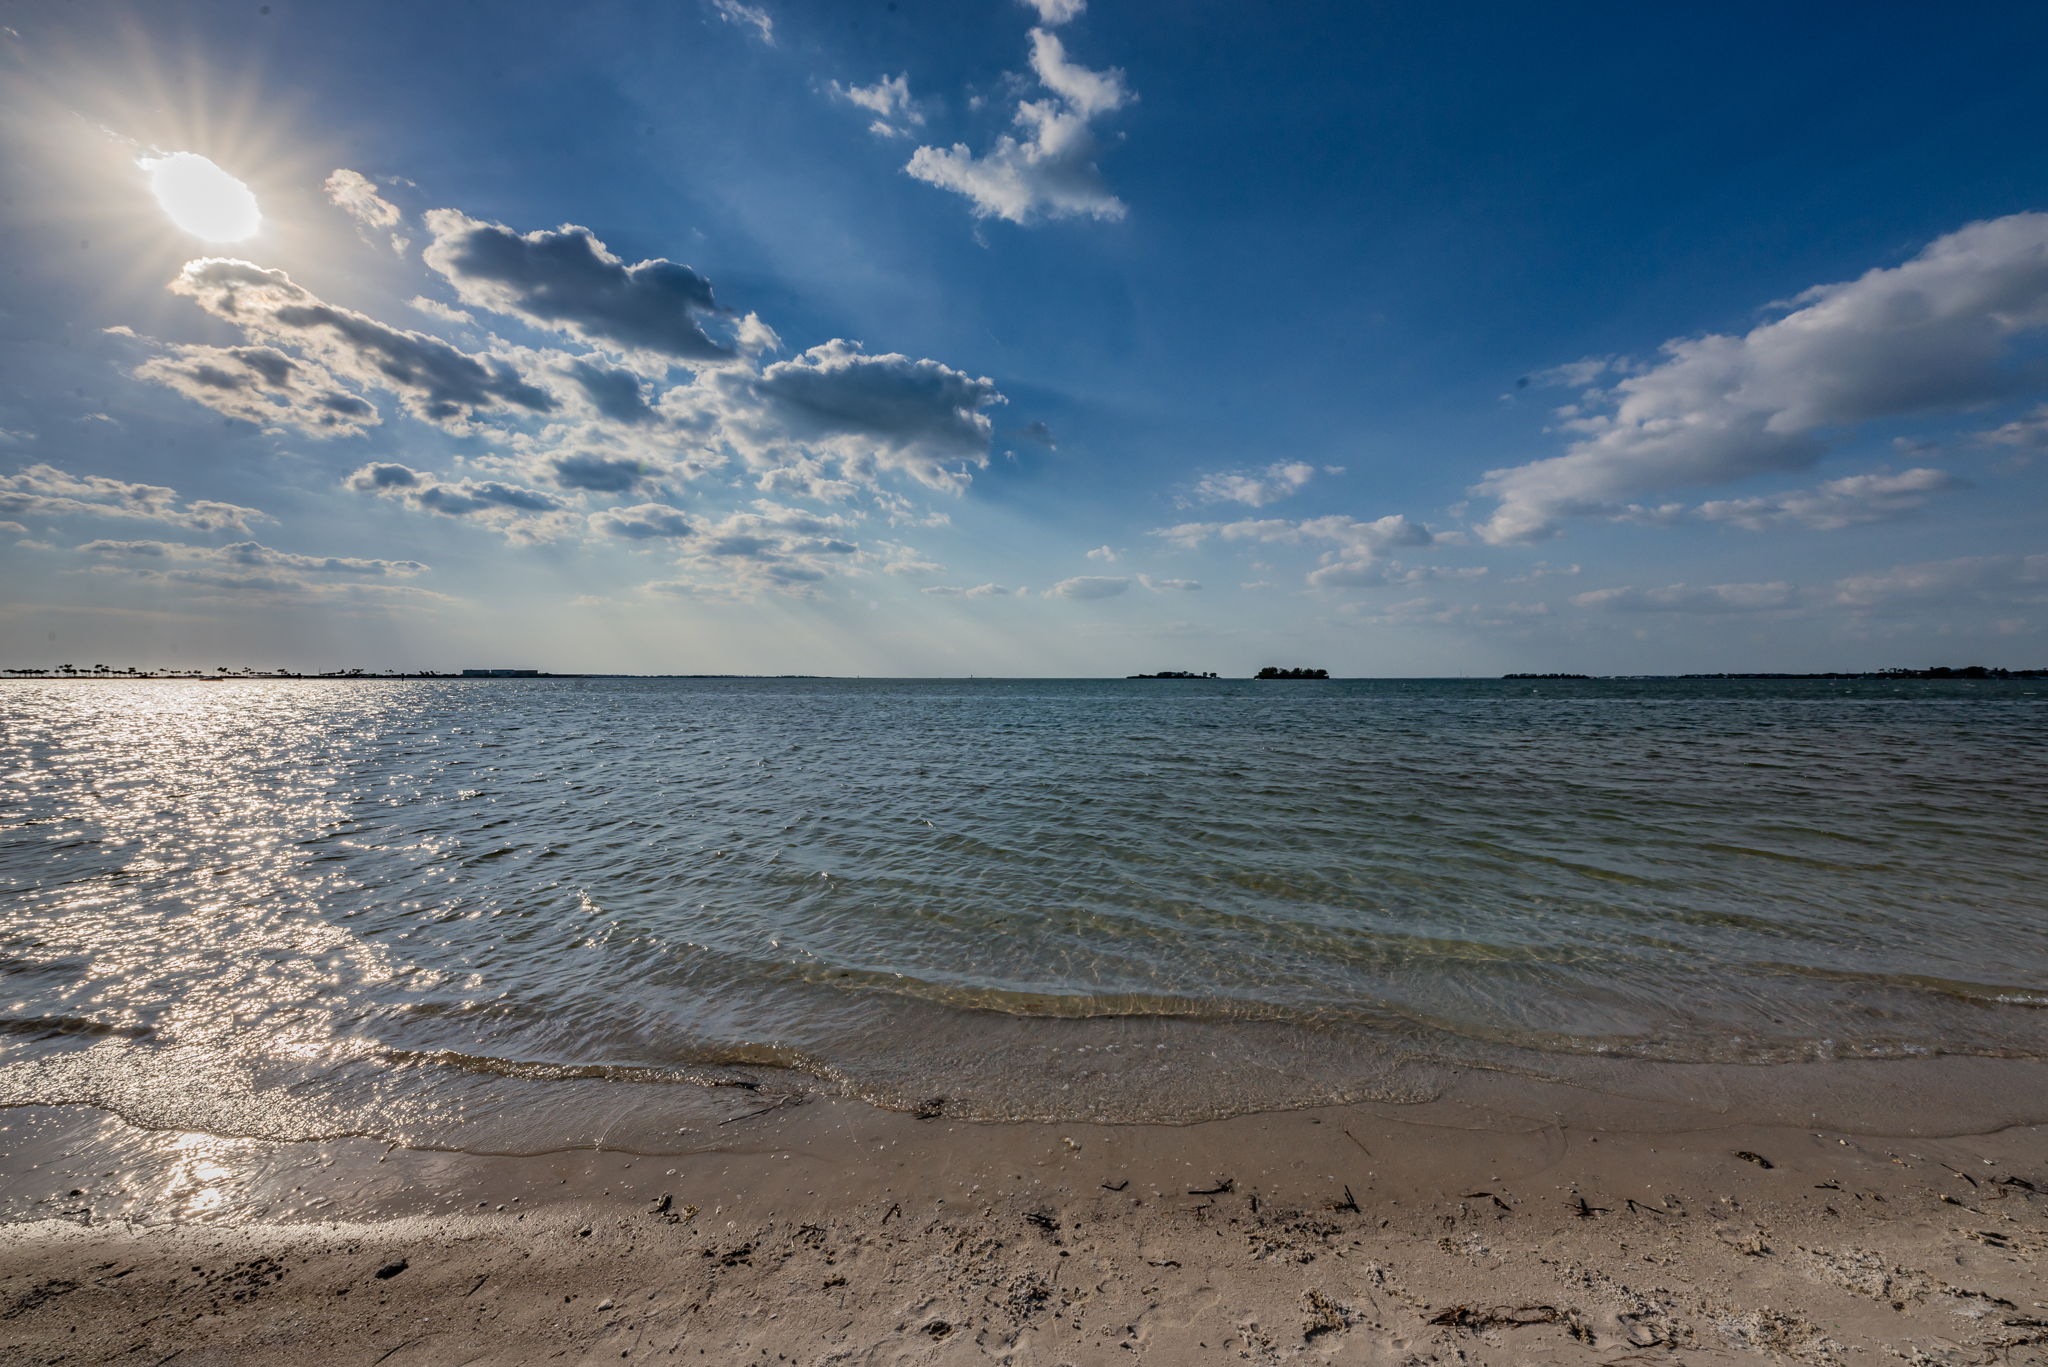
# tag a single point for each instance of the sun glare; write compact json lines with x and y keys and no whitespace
{"x":201,"y":198}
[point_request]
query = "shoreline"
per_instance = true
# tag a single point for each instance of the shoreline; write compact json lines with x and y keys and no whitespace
{"x":1504,"y":1222}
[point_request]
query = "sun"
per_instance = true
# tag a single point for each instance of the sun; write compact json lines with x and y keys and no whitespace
{"x":201,"y":198}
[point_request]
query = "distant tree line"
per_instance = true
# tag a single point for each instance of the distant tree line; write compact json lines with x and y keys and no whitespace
{"x":1274,"y":672}
{"x":1934,"y":672}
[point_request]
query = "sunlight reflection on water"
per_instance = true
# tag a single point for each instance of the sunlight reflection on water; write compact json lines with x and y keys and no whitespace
{"x":407,"y":897}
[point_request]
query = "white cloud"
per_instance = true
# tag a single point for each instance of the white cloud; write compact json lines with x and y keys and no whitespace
{"x":447,"y":313}
{"x":1542,"y":569}
{"x":249,"y":569}
{"x":1255,"y":488}
{"x":1105,"y":554}
{"x":1087,"y":587}
{"x":1574,"y":374}
{"x":773,"y":548}
{"x":249,"y":555}
{"x":44,"y":491}
{"x":355,"y":194}
{"x":1053,"y":13}
{"x":1929,"y":335}
{"x":526,"y":515}
{"x":1358,"y":548}
{"x":1836,"y":504}
{"x":1167,"y":585}
{"x":866,"y":413}
{"x":1416,"y":612}
{"x":897,"y":558}
{"x":1944,"y":589}
{"x":1340,"y":573}
{"x":1711,"y":598}
{"x":747,"y":16}
{"x":1051,"y":171}
{"x":261,"y":385}
{"x":437,"y":382}
{"x":2030,"y":431}
{"x":1361,"y":538}
{"x":978,"y":591}
{"x":889,"y":100}
{"x":1936,"y":583}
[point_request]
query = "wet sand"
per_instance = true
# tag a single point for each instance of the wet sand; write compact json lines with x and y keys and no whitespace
{"x":1507,"y":1222}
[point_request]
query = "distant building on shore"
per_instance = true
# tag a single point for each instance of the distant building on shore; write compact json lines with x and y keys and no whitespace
{"x":501,"y":673}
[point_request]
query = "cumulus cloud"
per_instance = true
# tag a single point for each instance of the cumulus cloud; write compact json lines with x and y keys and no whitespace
{"x":1710,"y":598}
{"x":249,"y":555}
{"x":1087,"y":587}
{"x":600,"y":474}
{"x":1106,"y":554}
{"x":919,"y":418}
{"x":1356,"y":537}
{"x":1935,"y":333}
{"x":1836,"y":504}
{"x":643,"y":522}
{"x":1050,"y":171}
{"x":899,"y":559}
{"x":774,"y":548}
{"x":44,"y":491}
{"x":978,"y":591}
{"x":565,"y":280}
{"x":436,"y":381}
{"x":355,"y":194}
{"x":248,"y":568}
{"x":261,"y":385}
{"x":1255,"y":488}
{"x":1357,"y":553}
{"x":889,"y":100}
{"x":747,"y":16}
{"x":1168,"y":585}
{"x":521,"y":514}
{"x":1053,"y":13}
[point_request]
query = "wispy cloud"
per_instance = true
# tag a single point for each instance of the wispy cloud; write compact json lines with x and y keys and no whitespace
{"x":1050,"y":171}
{"x":1931,"y":335}
{"x":747,"y":16}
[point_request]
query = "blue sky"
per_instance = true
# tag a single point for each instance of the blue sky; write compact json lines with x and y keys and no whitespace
{"x":1026,"y":338}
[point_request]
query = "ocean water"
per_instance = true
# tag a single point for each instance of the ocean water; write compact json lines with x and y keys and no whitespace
{"x":512,"y":914}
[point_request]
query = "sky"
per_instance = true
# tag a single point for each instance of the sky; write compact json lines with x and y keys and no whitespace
{"x":1023,"y":337}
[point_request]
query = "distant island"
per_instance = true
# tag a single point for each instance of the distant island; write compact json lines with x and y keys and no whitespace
{"x":1173,"y":674}
{"x":1273,"y":672}
{"x":1933,"y":672}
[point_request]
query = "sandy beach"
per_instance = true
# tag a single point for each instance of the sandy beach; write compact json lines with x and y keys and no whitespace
{"x":1506,"y":1222}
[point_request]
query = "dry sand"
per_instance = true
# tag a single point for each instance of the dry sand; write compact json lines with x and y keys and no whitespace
{"x":1482,"y":1228}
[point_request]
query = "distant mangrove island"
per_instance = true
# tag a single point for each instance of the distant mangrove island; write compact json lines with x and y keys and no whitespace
{"x":1932,"y":672}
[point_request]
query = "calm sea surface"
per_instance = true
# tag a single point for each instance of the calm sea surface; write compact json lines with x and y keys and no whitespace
{"x":492,"y":913}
